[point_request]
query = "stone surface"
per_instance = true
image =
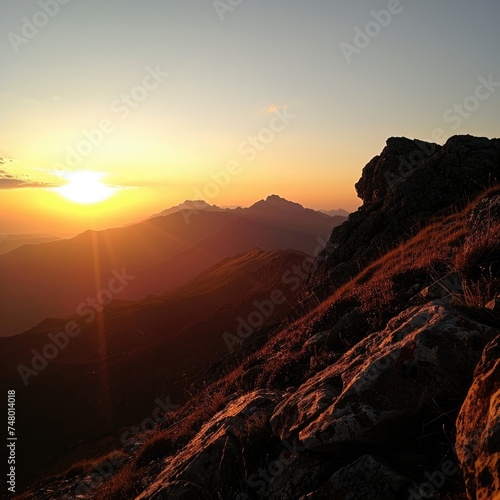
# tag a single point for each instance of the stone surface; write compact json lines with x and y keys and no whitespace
{"x":378,"y":389}
{"x":211,"y":456}
{"x":478,"y":428}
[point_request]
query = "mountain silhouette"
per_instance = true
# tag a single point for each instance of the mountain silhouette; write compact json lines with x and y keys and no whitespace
{"x":52,"y":280}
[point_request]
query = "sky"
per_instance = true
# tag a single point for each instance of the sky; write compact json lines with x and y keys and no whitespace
{"x":228,"y":100}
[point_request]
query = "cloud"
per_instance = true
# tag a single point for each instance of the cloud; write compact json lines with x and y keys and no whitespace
{"x":9,"y":180}
{"x":273,"y":108}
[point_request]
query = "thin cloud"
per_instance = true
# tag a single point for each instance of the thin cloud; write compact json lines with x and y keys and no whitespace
{"x":9,"y":180}
{"x":273,"y":108}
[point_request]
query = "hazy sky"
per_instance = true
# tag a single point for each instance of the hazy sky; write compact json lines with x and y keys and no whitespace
{"x":228,"y":79}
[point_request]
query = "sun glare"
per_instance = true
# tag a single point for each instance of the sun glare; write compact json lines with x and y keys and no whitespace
{"x":85,"y":188}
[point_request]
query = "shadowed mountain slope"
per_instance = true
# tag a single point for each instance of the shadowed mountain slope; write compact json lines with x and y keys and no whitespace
{"x":162,"y":253}
{"x":134,"y":352}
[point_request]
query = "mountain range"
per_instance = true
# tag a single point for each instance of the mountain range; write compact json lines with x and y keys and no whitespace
{"x":160,"y":254}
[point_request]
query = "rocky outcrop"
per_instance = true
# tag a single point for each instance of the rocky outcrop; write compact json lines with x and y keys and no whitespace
{"x":402,"y":188}
{"x":478,"y":428}
{"x":214,"y":455}
{"x":367,"y":402}
{"x":380,"y":388}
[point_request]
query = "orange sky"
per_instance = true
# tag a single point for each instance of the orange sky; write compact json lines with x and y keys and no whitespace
{"x":43,"y":210}
{"x":162,"y":99}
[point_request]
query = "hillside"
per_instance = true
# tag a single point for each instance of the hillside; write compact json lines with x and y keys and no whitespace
{"x":9,"y":242}
{"x":384,"y":385}
{"x":134,"y":352}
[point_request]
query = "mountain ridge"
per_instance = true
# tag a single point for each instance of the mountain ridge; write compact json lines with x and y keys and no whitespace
{"x":161,"y":253}
{"x":272,"y":200}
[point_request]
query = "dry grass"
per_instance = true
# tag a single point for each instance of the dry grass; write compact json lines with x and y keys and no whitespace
{"x":124,"y":484}
{"x":478,"y":263}
{"x":85,"y":467}
{"x":183,"y":425}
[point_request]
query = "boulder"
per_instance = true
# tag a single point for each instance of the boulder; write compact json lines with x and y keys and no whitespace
{"x":442,"y":289}
{"x":326,"y":338}
{"x":478,"y":428}
{"x":379,"y":389}
{"x":212,"y":457}
{"x":301,"y":473}
{"x":249,"y":377}
{"x":351,"y":328}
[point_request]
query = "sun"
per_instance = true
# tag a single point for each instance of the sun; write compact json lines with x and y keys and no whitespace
{"x":85,"y":188}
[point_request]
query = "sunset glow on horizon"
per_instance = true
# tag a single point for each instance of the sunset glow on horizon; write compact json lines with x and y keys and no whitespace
{"x":166,"y":118}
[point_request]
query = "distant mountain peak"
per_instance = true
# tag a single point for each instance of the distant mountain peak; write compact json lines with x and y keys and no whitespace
{"x":274,"y":198}
{"x":336,"y":212}
{"x":275,"y":201}
{"x":196,"y":203}
{"x":200,"y":205}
